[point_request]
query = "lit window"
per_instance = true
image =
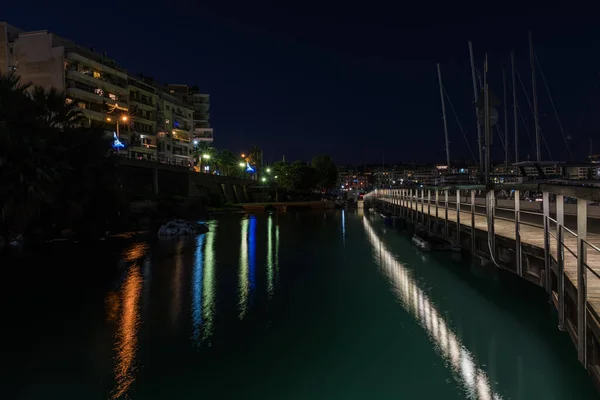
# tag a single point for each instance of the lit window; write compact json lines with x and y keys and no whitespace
{"x":81,"y":104}
{"x":99,"y":92}
{"x":68,"y":101}
{"x":112,"y":96}
{"x":96,"y":74}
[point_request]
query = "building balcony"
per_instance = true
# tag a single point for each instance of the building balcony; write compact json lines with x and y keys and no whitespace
{"x":150,"y":106}
{"x":74,"y":56}
{"x":93,"y":115}
{"x":89,"y":78}
{"x":142,"y":120}
{"x":83,"y":93}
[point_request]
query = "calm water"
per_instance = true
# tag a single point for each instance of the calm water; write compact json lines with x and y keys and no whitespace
{"x":289,"y":306}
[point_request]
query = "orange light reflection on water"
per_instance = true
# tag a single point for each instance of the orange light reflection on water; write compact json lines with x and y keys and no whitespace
{"x":127,"y":332}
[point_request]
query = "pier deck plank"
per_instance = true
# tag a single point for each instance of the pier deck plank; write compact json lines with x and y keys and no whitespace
{"x":534,"y":236}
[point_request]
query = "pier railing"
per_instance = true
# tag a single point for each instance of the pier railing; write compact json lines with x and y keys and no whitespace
{"x":571,"y":249}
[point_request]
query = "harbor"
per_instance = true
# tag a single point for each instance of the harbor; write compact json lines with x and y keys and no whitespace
{"x":537,"y":245}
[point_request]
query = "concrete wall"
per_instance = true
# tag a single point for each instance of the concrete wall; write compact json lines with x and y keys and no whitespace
{"x":178,"y":181}
{"x":39,"y":62}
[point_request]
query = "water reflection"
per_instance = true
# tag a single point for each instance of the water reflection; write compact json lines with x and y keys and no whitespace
{"x":344,"y":226}
{"x":203,"y":284}
{"x":209,"y":281}
{"x":270,"y":261}
{"x":197,"y":288}
{"x":243,"y":274}
{"x":127,"y":331}
{"x":472,"y":378}
{"x":177,"y":298}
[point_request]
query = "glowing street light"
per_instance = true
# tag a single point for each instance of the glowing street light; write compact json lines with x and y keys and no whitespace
{"x":242,"y":165}
{"x":268,"y":170}
{"x":206,"y":156}
{"x":264,"y":179}
{"x":124,"y":119}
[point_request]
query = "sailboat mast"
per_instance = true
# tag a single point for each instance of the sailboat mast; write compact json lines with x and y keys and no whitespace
{"x":536,"y":115}
{"x":514,"y":88}
{"x":444,"y":114}
{"x":476,"y":97}
{"x":487,"y":122}
{"x":505,"y":122}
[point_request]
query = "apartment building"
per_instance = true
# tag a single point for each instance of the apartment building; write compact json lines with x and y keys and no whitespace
{"x":151,"y":120}
{"x":200,"y":104}
{"x":175,"y":122}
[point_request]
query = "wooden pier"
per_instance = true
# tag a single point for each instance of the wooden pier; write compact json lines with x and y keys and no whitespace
{"x":530,"y":240}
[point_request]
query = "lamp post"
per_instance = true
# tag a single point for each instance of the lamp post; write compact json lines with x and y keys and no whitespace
{"x":206,"y":157}
{"x":124,"y":119}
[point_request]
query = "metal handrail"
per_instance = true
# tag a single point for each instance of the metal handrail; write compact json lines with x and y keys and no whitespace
{"x":569,"y":231}
{"x":591,"y":270}
{"x":531,"y":212}
{"x":569,"y":250}
{"x":591,"y":245}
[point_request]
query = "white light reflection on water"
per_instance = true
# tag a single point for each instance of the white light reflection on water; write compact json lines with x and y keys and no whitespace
{"x":203,"y":284}
{"x":472,"y":378}
{"x":270,"y":261}
{"x":209,"y":283}
{"x":243,"y":274}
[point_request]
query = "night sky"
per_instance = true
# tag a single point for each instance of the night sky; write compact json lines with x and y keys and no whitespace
{"x":356,"y":80}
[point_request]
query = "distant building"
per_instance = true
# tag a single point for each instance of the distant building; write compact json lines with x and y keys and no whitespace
{"x":200,"y":104}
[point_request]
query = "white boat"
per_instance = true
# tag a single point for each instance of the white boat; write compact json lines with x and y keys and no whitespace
{"x":179,"y":227}
{"x":421,"y":243}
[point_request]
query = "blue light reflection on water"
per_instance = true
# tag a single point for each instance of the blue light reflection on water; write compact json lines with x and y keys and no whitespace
{"x":197,"y":288}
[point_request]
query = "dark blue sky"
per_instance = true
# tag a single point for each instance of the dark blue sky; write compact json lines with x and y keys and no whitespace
{"x":353,"y":79}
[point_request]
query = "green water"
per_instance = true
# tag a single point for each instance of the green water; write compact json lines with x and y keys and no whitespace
{"x":288,"y":306}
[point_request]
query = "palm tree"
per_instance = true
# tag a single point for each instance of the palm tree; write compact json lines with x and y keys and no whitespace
{"x":228,"y":162}
{"x":48,"y":159}
{"x":203,"y":150}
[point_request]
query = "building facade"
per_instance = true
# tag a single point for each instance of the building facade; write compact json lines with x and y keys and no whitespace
{"x":154,"y":122}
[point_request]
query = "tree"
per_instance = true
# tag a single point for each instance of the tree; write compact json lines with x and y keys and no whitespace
{"x":228,"y":162}
{"x":255,"y":157}
{"x":326,"y":170}
{"x":48,"y":160}
{"x":201,"y":150}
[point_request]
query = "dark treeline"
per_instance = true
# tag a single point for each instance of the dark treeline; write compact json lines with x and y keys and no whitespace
{"x":55,"y":173}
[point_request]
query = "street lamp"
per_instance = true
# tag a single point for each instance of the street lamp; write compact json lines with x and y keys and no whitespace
{"x":124,"y":119}
{"x":242,"y":165}
{"x":268,"y":170}
{"x":264,"y":179}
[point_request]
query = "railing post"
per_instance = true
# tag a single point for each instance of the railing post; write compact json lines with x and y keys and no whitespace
{"x":403,"y":202}
{"x":582,"y":281}
{"x":437,"y":203}
{"x":560,"y":260}
{"x":472,"y":222}
{"x":458,"y":217}
{"x":446,"y":213}
{"x":410,"y":201}
{"x":423,"y":206}
{"x":518,"y":253}
{"x":546,"y":208}
{"x":429,"y":210}
{"x":490,"y":214}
